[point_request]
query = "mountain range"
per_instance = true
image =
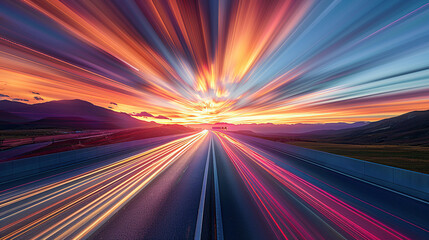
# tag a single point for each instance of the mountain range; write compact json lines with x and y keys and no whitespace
{"x":411,"y":128}
{"x":407,"y":129}
{"x":69,"y":114}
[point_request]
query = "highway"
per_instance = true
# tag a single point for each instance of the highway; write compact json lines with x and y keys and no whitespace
{"x":208,"y":185}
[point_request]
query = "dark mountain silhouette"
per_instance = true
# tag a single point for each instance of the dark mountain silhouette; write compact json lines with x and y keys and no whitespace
{"x":408,"y":129}
{"x":411,"y":128}
{"x":11,"y":118}
{"x":66,"y":122}
{"x":10,"y":106}
{"x":69,"y":114}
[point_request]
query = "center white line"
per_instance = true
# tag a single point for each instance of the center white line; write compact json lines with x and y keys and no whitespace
{"x":199,"y":227}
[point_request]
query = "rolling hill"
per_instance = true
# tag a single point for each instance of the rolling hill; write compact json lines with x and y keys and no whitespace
{"x":410,"y":129}
{"x":74,"y":114}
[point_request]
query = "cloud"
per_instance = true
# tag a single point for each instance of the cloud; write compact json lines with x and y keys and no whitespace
{"x":20,"y":99}
{"x":35,"y":93}
{"x":3,"y":95}
{"x":114,"y":103}
{"x":142,"y":114}
{"x":38,"y":98}
{"x":162,"y":117}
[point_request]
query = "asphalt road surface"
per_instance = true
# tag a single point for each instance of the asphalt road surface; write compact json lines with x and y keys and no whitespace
{"x":209,"y":185}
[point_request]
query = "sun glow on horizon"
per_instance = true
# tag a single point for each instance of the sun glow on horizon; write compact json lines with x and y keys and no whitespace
{"x":176,"y":62}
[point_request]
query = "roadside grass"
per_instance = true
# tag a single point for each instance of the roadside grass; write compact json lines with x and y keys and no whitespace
{"x":414,"y":158}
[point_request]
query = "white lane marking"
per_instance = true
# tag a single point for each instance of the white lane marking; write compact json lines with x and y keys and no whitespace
{"x":219,"y":227}
{"x":199,"y":227}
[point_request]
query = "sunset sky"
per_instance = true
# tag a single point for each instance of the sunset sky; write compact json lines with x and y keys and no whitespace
{"x":220,"y":61}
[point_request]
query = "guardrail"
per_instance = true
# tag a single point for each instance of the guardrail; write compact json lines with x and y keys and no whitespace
{"x":409,"y":182}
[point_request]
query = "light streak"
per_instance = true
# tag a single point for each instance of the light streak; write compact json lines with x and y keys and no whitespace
{"x":344,"y":217}
{"x":76,"y":206}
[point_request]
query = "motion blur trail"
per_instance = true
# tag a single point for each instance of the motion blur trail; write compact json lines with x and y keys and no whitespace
{"x":76,"y":206}
{"x":208,"y":185}
{"x":295,"y":208}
